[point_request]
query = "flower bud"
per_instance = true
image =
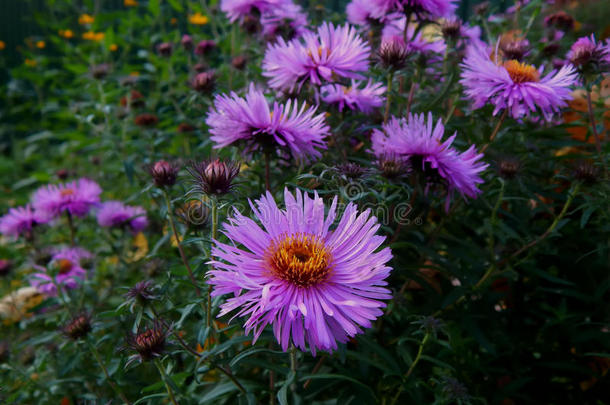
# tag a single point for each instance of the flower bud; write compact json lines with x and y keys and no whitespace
{"x":163,"y":173}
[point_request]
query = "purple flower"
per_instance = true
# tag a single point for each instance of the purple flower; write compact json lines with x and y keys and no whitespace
{"x":417,"y":140}
{"x":115,"y":213}
{"x":367,"y":12}
{"x":423,"y":8}
{"x":394,"y":31}
{"x":20,"y":220}
{"x":68,"y":271}
{"x":365,"y":99}
{"x":587,"y":51}
{"x":330,"y":53}
{"x":76,"y":198}
{"x":316,"y":286}
{"x":205,"y":46}
{"x":250,"y":119}
{"x":287,"y":19}
{"x":238,"y":9}
{"x":514,"y":85}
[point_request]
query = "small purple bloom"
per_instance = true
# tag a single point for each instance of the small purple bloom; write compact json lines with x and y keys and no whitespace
{"x":115,"y":214}
{"x":19,"y":221}
{"x":394,"y":31}
{"x":238,"y":9}
{"x":587,"y":51}
{"x":326,"y":55}
{"x":514,"y":85}
{"x":67,"y":270}
{"x":187,"y":42}
{"x":76,"y":197}
{"x":250,"y":119}
{"x":316,"y":286}
{"x":364,"y":99}
{"x":287,"y":19}
{"x":423,"y":8}
{"x":417,"y":140}
{"x":205,"y":46}
{"x":367,"y":12}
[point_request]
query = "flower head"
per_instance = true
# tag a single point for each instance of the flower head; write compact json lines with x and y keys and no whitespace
{"x":586,"y":51}
{"x":367,"y":12}
{"x":514,"y":85}
{"x":316,"y":286}
{"x":213,"y":177}
{"x":20,"y":221}
{"x":393,"y":53}
{"x":141,"y":293}
{"x":146,"y":120}
{"x":187,"y":42}
{"x":164,"y":173}
{"x":250,"y":119}
{"x":393,"y":31}
{"x":165,"y":48}
{"x":149,"y":343}
{"x":78,"y":327}
{"x":198,"y":19}
{"x":203,"y":47}
{"x":115,"y":213}
{"x":239,"y":9}
{"x":286,"y":20}
{"x":204,"y":82}
{"x":76,"y":197}
{"x":423,"y":8}
{"x":65,"y":270}
{"x":326,"y":55}
{"x":364,"y":99}
{"x":560,"y":19}
{"x":417,"y":140}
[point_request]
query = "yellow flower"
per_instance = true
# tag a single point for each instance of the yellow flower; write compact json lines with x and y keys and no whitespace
{"x":93,"y":36}
{"x":40,"y":44}
{"x":2,"y":45}
{"x":130,"y":3}
{"x":30,"y":62}
{"x":66,"y":34}
{"x":139,"y":249}
{"x":198,"y":19}
{"x":173,"y":21}
{"x":113,"y":47}
{"x":84,"y":19}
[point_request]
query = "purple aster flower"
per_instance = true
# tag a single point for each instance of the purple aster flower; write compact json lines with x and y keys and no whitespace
{"x":67,"y":271}
{"x":423,"y":8}
{"x":514,"y":85}
{"x":367,"y":12}
{"x":364,"y":99}
{"x":586,"y":51}
{"x":76,"y":198}
{"x":20,"y":220}
{"x":394,"y":31}
{"x":250,"y":119}
{"x":238,"y":9}
{"x":287,"y":20}
{"x":115,"y":213}
{"x":316,"y":286}
{"x":330,"y":53}
{"x":417,"y":140}
{"x":204,"y":46}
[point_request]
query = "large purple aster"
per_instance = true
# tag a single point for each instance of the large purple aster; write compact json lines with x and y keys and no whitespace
{"x":316,"y":286}
{"x":329,"y":53}
{"x":76,"y":197}
{"x":419,"y":141}
{"x":64,"y":270}
{"x":20,"y":221}
{"x":249,"y":119}
{"x":514,"y":85}
{"x":355,"y":97}
{"x":115,"y":214}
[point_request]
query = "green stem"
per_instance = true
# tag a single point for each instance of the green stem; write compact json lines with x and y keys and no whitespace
{"x":165,"y":378}
{"x":492,"y":223}
{"x":115,"y":387}
{"x":420,"y":351}
{"x":170,"y":215}
{"x":214,"y":235}
{"x":267,"y":170}
{"x":388,"y":101}
{"x":495,"y":131}
{"x":598,"y":143}
{"x":72,"y":230}
{"x":293,"y":365}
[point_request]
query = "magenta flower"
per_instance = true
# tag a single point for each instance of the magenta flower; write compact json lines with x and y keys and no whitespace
{"x":417,"y":140}
{"x":19,"y":221}
{"x":76,"y":198}
{"x":364,"y":99}
{"x":586,"y":50}
{"x":287,"y":19}
{"x":316,"y":286}
{"x":238,"y":9}
{"x":115,"y":214}
{"x":65,"y":270}
{"x":330,"y":53}
{"x":513,"y":85}
{"x":249,"y":119}
{"x":423,"y":8}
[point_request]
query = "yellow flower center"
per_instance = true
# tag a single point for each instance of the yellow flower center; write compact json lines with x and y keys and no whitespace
{"x":66,"y":192}
{"x":64,"y":266}
{"x":301,"y":259}
{"x":520,"y":72}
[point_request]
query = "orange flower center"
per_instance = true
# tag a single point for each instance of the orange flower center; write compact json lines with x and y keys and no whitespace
{"x":301,"y":259}
{"x":521,"y":72}
{"x":66,"y":192}
{"x":64,"y":266}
